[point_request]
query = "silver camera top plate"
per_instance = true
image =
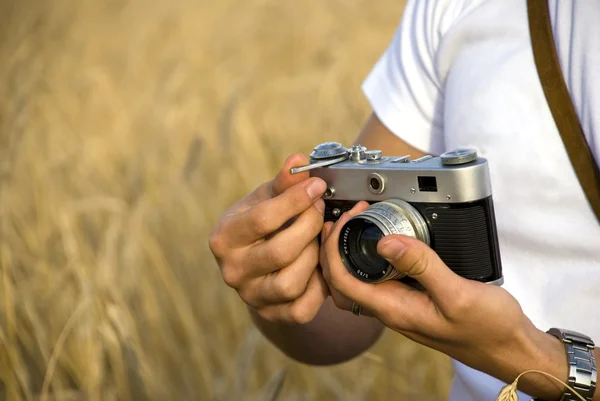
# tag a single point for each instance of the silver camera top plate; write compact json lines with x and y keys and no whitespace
{"x":360,"y":174}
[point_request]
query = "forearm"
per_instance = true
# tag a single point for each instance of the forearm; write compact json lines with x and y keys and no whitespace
{"x":333,"y":336}
{"x":545,"y":353}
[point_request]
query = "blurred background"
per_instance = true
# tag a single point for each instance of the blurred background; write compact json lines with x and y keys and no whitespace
{"x":127,"y":127}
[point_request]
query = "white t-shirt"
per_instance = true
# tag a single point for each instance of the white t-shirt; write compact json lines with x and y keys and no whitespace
{"x":461,"y":73}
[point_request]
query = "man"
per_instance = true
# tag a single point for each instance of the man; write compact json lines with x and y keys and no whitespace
{"x":458,"y":73}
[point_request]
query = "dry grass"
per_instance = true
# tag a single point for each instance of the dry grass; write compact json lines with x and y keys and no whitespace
{"x":126,"y":128}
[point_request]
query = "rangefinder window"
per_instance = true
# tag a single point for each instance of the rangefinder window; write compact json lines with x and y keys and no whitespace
{"x":427,"y":184}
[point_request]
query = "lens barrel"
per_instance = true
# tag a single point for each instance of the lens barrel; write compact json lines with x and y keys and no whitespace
{"x":360,"y":235}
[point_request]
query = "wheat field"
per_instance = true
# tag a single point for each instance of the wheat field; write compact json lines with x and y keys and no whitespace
{"x":127,"y":127}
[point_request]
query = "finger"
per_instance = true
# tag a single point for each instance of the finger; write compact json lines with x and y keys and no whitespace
{"x":319,"y":206}
{"x":286,"y":284}
{"x":285,"y":179}
{"x":327,"y":226}
{"x":282,"y":181}
{"x":359,"y":207}
{"x":417,"y":260}
{"x":345,"y":303}
{"x":267,"y":190}
{"x":270,"y":189}
{"x":268,"y":216}
{"x":303,"y":309}
{"x":394,"y":303}
{"x":283,"y":248}
{"x":340,"y":300}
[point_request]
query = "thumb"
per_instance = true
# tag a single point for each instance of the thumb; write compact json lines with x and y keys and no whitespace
{"x":417,"y":260}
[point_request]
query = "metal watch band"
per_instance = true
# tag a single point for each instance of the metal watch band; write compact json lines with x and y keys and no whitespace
{"x":582,"y":363}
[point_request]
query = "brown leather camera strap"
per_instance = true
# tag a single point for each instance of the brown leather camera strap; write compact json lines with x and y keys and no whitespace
{"x":560,"y":102}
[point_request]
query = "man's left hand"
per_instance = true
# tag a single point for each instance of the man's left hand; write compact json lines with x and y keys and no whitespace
{"x":478,"y":324}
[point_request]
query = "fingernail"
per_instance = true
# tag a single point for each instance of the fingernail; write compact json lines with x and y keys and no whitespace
{"x":392,"y":249}
{"x":316,"y":188}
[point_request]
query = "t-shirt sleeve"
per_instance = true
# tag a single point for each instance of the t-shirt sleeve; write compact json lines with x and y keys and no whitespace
{"x":403,"y":87}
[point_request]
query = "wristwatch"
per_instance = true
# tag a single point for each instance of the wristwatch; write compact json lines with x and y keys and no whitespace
{"x":582,"y":364}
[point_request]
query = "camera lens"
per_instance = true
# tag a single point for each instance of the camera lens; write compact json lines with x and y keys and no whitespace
{"x":368,"y":240}
{"x":361,"y":234}
{"x":362,"y":249}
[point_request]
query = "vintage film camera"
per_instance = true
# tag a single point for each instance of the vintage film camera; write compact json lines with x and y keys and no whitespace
{"x":444,"y":201}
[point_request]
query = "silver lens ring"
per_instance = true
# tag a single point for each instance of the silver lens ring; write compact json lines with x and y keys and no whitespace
{"x":393,"y":216}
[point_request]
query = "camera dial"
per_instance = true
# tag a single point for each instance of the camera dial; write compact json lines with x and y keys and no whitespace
{"x":328,"y":150}
{"x":323,"y":155}
{"x":361,"y":234}
{"x":458,"y":156}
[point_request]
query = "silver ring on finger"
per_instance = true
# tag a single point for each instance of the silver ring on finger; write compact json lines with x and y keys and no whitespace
{"x":356,"y":309}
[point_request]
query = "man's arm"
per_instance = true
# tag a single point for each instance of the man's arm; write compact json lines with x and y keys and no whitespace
{"x":335,"y":335}
{"x":375,"y":135}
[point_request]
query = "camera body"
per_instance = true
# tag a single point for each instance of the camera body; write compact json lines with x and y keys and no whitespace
{"x":444,"y":201}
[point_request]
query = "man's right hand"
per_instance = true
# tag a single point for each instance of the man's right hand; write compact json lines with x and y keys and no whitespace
{"x":267,"y":249}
